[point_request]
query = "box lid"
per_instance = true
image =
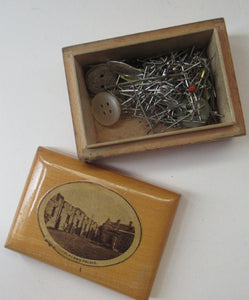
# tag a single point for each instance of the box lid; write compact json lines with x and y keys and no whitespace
{"x":97,"y":224}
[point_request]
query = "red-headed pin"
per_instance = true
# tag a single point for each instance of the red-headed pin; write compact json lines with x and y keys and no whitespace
{"x":191,"y":89}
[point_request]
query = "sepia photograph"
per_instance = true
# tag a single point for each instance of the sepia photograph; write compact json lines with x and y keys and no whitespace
{"x":89,"y":223}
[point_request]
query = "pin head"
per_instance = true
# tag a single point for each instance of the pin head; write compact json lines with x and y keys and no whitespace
{"x":191,"y":88}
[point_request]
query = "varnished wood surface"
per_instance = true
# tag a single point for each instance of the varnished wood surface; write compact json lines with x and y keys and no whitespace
{"x":154,"y":206}
{"x":88,"y":133}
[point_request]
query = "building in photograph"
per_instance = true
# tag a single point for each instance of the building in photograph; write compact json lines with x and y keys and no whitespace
{"x":62,"y":216}
{"x":116,"y":235}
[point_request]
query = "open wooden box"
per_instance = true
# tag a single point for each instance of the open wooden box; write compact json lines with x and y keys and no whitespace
{"x":128,"y":136}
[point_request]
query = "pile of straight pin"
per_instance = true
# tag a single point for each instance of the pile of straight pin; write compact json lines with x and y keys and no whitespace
{"x":171,"y":91}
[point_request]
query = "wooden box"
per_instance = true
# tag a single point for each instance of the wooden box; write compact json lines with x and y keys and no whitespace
{"x":102,"y":226}
{"x":127,"y":136}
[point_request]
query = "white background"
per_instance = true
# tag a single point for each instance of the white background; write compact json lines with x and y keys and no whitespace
{"x":207,"y":255}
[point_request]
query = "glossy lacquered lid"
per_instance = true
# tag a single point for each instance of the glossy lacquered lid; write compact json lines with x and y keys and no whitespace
{"x":100,"y":225}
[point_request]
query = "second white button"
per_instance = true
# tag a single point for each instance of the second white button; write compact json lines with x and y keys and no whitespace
{"x":106,"y":108}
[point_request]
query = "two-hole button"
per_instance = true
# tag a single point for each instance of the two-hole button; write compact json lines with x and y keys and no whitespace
{"x":99,"y":78}
{"x":106,"y":108}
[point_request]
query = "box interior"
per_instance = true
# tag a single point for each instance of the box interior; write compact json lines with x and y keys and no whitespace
{"x":125,"y":130}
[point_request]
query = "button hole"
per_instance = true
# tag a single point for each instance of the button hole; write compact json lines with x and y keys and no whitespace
{"x":110,"y":111}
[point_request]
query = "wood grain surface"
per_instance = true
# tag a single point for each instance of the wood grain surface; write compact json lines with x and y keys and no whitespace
{"x":155,"y":208}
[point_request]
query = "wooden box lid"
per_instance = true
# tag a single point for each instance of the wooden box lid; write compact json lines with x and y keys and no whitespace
{"x":102,"y":226}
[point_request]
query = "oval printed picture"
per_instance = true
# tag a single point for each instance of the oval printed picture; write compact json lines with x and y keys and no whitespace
{"x":89,"y":224}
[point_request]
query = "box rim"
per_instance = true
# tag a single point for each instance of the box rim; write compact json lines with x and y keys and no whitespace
{"x":90,"y":152}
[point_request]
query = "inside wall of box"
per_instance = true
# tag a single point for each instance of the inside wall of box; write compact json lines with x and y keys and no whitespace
{"x":130,"y":129}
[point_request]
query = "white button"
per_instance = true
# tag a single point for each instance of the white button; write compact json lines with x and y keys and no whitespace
{"x":99,"y":78}
{"x":106,"y":108}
